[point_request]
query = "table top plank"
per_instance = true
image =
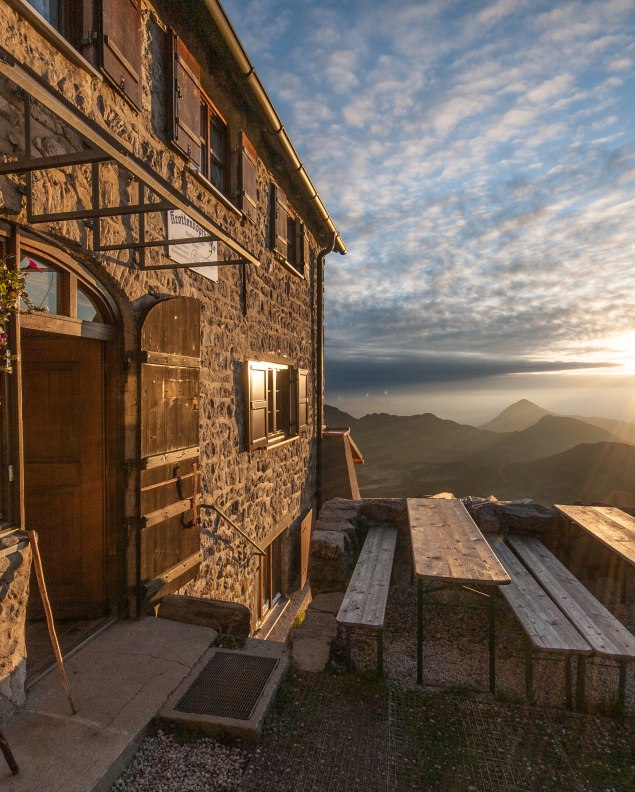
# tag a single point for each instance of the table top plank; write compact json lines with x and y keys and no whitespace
{"x":447,"y":545}
{"x":364,"y":604}
{"x":606,"y":635}
{"x":544,"y":623}
{"x":613,"y":527}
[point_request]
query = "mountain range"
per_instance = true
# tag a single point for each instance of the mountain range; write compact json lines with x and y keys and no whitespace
{"x":526,"y":451}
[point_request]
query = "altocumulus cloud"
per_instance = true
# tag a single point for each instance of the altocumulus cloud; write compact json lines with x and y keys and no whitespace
{"x":479,"y":159}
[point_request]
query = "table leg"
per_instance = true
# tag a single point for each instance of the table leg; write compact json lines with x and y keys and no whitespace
{"x":621,"y":696}
{"x":492,"y":644}
{"x":568,"y":695}
{"x":580,"y":692}
{"x":529,"y":673}
{"x":420,"y":632}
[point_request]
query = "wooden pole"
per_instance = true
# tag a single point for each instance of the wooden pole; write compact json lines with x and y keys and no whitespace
{"x":39,"y":574}
{"x":4,"y":746}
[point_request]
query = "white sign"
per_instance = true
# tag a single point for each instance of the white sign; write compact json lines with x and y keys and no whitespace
{"x":180,"y":226}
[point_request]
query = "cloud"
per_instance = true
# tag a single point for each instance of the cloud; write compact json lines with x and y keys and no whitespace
{"x":479,"y":159}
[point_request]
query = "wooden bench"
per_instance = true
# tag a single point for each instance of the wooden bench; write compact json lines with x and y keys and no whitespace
{"x":612,"y":527}
{"x":606,"y":636}
{"x":364,"y":604}
{"x":546,"y":627}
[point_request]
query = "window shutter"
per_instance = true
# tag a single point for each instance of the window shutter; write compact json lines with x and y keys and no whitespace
{"x":120,"y":46}
{"x":248,"y":160}
{"x":279,"y":228}
{"x":186,"y":102}
{"x":302,"y":248}
{"x":256,"y":387}
{"x":293,"y":401}
{"x":303,"y":398}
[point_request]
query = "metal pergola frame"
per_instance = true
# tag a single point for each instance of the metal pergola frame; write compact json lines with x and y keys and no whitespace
{"x":154,"y":193}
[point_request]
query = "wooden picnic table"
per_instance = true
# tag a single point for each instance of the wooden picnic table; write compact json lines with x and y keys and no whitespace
{"x":613,"y":527}
{"x":448,"y":548}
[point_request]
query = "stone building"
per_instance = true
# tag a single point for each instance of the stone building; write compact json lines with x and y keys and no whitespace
{"x":163,"y":220}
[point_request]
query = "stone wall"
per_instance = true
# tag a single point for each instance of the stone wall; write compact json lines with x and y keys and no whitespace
{"x":15,"y":567}
{"x":266,"y":490}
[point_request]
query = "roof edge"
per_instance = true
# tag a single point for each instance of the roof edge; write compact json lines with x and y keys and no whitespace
{"x":248,"y":71}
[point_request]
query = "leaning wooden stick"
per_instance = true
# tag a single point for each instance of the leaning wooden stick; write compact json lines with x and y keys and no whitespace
{"x":39,"y":574}
{"x":4,"y":746}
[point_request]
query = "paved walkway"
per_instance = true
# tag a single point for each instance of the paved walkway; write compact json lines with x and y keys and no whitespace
{"x":118,"y":682}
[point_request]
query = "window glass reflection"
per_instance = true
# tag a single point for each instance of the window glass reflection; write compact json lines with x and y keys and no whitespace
{"x":86,"y":308}
{"x":41,"y":284}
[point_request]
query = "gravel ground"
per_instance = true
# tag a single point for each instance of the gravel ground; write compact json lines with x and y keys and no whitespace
{"x":337,"y":732}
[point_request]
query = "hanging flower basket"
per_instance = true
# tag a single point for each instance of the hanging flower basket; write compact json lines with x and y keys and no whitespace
{"x":12,"y":291}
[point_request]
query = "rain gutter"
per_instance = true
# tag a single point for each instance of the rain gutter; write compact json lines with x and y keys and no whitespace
{"x":277,"y":128}
{"x":319,"y":408}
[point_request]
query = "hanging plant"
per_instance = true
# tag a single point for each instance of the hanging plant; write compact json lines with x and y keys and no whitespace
{"x":12,"y":291}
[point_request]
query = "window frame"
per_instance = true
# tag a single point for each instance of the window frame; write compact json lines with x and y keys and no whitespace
{"x":288,"y":238}
{"x":211,"y":114}
{"x":272,"y":403}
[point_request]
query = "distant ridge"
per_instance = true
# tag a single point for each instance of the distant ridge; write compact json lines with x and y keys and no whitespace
{"x":518,"y":416}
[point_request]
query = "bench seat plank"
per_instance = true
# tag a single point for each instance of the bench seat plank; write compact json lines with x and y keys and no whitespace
{"x":611,"y":526}
{"x":364,"y":604}
{"x":545,"y":625}
{"x":598,"y":626}
{"x":448,"y":546}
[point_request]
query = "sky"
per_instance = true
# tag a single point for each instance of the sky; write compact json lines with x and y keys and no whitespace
{"x":478,"y":158}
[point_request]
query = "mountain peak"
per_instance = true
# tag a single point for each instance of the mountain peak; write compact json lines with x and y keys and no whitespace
{"x":518,"y":416}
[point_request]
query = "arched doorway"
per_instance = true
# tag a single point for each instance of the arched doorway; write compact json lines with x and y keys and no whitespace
{"x":68,"y":454}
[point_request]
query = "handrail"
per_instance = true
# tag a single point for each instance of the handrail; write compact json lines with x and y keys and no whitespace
{"x":214,"y":507}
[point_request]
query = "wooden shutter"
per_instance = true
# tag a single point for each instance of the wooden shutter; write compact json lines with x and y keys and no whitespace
{"x":293,"y":401}
{"x":278,"y":223}
{"x":302,"y":248}
{"x":248,"y":162}
{"x":186,"y":101}
{"x":257,"y":404}
{"x":169,"y":544}
{"x":120,"y":46}
{"x":303,"y":398}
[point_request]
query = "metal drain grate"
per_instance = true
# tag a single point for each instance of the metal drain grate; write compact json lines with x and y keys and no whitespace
{"x":229,"y":686}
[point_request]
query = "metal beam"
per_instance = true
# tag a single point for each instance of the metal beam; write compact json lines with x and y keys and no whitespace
{"x":156,"y":243}
{"x":33,"y":84}
{"x":58,"y":161}
{"x":105,"y":211}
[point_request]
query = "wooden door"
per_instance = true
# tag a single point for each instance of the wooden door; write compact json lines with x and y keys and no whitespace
{"x":169,"y":536}
{"x":63,"y":407}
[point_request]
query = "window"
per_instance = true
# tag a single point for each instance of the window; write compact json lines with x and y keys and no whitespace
{"x":277,"y":402}
{"x":59,"y":292}
{"x":213,"y":145}
{"x":287,"y":233}
{"x":63,"y":15}
{"x":270,"y":577}
{"x":106,"y":34}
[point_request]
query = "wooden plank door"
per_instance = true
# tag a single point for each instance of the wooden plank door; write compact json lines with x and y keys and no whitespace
{"x":63,"y":407}
{"x":169,"y":539}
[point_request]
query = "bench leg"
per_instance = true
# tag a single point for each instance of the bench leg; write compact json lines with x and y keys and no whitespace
{"x":420,"y":632}
{"x":580,"y":688}
{"x":492,"y":644}
{"x":349,"y":662}
{"x":568,"y":685}
{"x":380,"y":652}
{"x":529,"y":673}
{"x":621,"y":695}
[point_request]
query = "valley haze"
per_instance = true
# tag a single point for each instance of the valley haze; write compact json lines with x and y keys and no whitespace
{"x":525,"y":451}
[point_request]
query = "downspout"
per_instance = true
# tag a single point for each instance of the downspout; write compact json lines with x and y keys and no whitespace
{"x":319,"y":417}
{"x":248,"y":71}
